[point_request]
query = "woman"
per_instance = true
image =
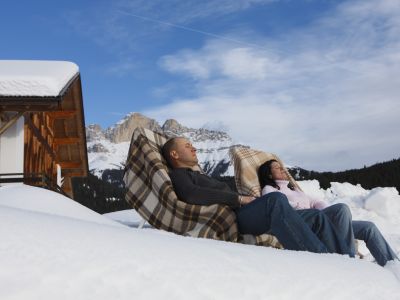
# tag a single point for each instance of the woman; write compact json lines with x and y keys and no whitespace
{"x":273,"y":178}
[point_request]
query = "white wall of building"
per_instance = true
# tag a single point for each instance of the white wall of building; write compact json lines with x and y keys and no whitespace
{"x":12,"y":148}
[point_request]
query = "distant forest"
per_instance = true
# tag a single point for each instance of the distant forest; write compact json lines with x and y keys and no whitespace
{"x":107,"y":194}
{"x":101,"y":195}
{"x":386,"y":174}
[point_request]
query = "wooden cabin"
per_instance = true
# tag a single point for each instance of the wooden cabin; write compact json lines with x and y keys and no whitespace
{"x":42,"y":126}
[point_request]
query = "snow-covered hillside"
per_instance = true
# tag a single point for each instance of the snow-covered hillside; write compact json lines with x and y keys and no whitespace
{"x":111,"y":156}
{"x":48,"y":253}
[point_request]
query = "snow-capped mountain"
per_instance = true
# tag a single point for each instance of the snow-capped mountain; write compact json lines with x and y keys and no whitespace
{"x":108,"y":149}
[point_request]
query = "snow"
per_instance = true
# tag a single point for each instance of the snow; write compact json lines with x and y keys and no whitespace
{"x":379,"y":205}
{"x":113,"y":158}
{"x":35,"y":78}
{"x":384,"y":202}
{"x":48,"y":253}
{"x":45,"y":201}
{"x":128,"y":217}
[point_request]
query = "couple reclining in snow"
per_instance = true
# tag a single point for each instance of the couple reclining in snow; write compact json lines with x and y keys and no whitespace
{"x":298,"y":221}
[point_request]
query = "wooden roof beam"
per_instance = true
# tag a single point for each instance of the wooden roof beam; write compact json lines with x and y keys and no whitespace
{"x":70,"y":164}
{"x":28,"y":107}
{"x":11,"y":122}
{"x":63,"y":114}
{"x":67,"y":173}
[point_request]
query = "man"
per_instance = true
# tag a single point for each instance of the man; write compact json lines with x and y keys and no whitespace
{"x":271,"y":213}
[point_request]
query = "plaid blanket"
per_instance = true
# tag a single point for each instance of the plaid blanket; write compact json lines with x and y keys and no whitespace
{"x":151,"y":194}
{"x":246,"y":162}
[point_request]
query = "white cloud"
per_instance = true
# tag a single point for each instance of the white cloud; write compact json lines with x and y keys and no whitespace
{"x":189,"y":63}
{"x":219,"y":59}
{"x":240,"y":63}
{"x":327,"y":98}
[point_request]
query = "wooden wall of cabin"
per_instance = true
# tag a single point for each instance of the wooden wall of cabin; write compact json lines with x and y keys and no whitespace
{"x":58,"y":137}
{"x":39,"y":155}
{"x":70,"y":136}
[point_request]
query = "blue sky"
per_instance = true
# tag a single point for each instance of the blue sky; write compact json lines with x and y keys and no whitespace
{"x":316,"y":82}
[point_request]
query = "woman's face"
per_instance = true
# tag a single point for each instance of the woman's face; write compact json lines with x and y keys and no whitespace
{"x":277,"y":172}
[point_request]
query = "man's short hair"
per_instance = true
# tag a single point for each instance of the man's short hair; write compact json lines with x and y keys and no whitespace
{"x":166,"y":150}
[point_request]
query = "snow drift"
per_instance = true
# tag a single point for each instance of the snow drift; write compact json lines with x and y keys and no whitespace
{"x":48,"y":253}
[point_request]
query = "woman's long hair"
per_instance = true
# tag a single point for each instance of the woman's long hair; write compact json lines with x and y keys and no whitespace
{"x":265,"y":175}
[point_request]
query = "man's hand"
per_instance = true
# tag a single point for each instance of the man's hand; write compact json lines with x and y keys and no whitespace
{"x":246,"y":199}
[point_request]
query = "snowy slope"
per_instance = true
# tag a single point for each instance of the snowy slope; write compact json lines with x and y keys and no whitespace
{"x":113,"y":156}
{"x":47,"y":256}
{"x":212,"y":151}
{"x":45,"y":201}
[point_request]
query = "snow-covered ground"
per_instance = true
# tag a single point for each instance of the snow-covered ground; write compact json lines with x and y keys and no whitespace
{"x":53,"y":248}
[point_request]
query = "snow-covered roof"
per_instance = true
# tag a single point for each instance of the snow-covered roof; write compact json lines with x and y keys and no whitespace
{"x":35,"y":78}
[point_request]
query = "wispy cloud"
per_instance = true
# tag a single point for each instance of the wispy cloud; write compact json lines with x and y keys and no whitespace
{"x":326,"y":98}
{"x":124,"y":28}
{"x":188,"y":11}
{"x":120,"y":68}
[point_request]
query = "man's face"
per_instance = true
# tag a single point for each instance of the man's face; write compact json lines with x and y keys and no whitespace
{"x":184,"y":152}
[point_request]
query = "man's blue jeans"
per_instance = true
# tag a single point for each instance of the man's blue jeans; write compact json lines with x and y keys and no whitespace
{"x":307,"y":230}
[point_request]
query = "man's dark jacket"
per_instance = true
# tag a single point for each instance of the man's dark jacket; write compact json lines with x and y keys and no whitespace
{"x":196,"y":188}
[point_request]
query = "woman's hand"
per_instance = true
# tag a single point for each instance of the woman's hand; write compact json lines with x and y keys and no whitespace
{"x":246,"y":199}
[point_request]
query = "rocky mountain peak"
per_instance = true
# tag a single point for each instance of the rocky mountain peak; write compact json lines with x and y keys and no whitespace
{"x":122,"y":131}
{"x":173,"y":127}
{"x":94,"y":132}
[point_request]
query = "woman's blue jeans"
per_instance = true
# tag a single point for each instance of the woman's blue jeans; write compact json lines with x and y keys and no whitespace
{"x":366,"y":231}
{"x":340,"y":216}
{"x":307,"y":230}
{"x":376,"y":243}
